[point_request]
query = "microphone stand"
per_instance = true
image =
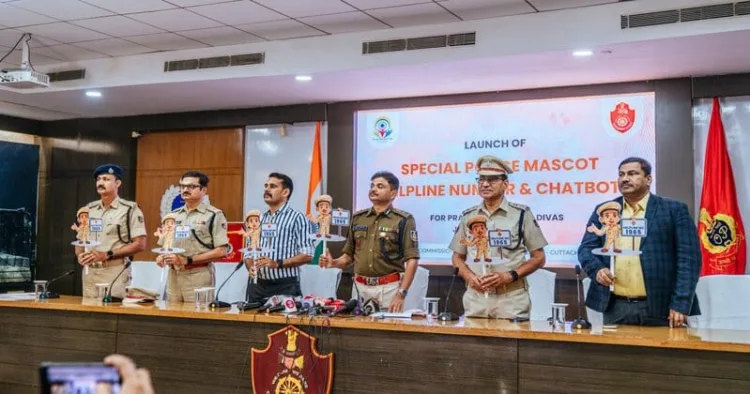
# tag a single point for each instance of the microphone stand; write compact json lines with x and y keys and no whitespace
{"x":445,"y":315}
{"x":579,"y":323}
{"x":48,"y":294}
{"x":222,"y":304}
{"x":109,"y":298}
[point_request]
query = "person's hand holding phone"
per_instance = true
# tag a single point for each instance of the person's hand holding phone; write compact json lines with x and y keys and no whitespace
{"x":134,"y":380}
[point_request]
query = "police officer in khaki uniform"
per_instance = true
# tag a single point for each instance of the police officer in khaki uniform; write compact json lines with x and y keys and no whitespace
{"x":504,"y":282}
{"x":122,"y":234}
{"x":382,"y":244}
{"x":206,"y":241}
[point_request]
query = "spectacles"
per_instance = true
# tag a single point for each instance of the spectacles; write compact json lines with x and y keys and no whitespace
{"x":491,"y":179}
{"x":188,"y":186}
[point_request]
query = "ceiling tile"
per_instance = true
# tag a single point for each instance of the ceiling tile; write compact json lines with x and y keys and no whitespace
{"x":36,"y":59}
{"x":191,"y":3}
{"x":131,"y":6}
{"x":300,"y":8}
{"x":281,"y":30}
{"x":61,"y":9}
{"x":118,"y":26}
{"x":413,"y":15}
{"x":67,"y":52}
{"x":9,"y":37}
{"x":175,"y":20}
{"x":371,"y":4}
{"x":549,"y":5}
{"x":64,"y":32}
{"x":115,"y":47}
{"x":167,"y":42}
{"x":220,"y":36}
{"x":344,"y":23}
{"x":238,"y":12}
{"x":13,"y":17}
{"x":483,"y":9}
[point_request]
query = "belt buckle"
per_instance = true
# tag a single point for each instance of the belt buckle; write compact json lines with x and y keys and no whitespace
{"x":372,"y":281}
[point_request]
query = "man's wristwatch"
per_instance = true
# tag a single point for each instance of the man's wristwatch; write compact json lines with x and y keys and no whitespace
{"x":280,"y":263}
{"x":189,"y":260}
{"x":110,"y":255}
{"x":403,"y":292}
{"x":514,"y":274}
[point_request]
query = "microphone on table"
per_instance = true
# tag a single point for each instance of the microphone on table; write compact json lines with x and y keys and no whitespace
{"x":347,"y":307}
{"x":49,"y":294}
{"x":445,"y":315}
{"x":109,"y":297}
{"x":358,"y":310}
{"x":222,"y":304}
{"x":580,"y":322}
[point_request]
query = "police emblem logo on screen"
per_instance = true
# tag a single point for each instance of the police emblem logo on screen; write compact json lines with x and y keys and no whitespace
{"x":624,"y":117}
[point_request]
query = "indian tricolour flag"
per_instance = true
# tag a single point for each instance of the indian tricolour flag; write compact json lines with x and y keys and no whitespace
{"x":315,"y":185}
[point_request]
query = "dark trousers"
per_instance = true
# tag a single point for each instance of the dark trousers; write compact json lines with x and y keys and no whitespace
{"x":264,"y":289}
{"x":634,"y":313}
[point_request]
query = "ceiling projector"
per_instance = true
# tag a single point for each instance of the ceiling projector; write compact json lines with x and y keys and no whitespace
{"x":24,"y":77}
{"x":20,"y":78}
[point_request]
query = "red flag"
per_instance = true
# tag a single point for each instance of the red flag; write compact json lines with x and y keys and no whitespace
{"x":720,"y":225}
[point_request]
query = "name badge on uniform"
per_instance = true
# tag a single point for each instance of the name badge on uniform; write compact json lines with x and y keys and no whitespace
{"x":500,"y":238}
{"x":182,"y":232}
{"x":340,"y":217}
{"x":268,"y":230}
{"x":96,"y":225}
{"x":633,"y":227}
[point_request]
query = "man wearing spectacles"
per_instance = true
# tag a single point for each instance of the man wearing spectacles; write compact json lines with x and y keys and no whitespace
{"x":206,"y":241}
{"x":501,"y":292}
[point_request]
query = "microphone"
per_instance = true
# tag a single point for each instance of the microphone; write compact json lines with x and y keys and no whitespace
{"x":449,"y":316}
{"x":222,"y":304}
{"x":244,"y":306}
{"x":579,"y":323}
{"x":273,"y":301}
{"x":49,"y":294}
{"x":347,"y":307}
{"x":358,"y":309}
{"x":109,"y":297}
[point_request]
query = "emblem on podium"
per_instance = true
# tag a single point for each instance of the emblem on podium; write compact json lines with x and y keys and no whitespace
{"x":291,"y":364}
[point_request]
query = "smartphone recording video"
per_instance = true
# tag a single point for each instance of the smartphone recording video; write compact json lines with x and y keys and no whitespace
{"x":79,"y":378}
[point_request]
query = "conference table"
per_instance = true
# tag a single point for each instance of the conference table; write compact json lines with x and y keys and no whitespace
{"x":198,"y":350}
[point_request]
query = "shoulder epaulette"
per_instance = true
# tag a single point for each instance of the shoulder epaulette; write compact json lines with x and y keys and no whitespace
{"x":213,"y":209}
{"x":360,"y":212}
{"x":519,"y":206}
{"x":92,"y":204}
{"x":470,"y":210}
{"x":401,"y":213}
{"x":127,"y":203}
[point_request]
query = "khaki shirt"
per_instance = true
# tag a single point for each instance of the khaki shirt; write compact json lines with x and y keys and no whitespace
{"x":115,"y":223}
{"x":199,"y":220}
{"x":374,"y":241}
{"x":506,"y":217}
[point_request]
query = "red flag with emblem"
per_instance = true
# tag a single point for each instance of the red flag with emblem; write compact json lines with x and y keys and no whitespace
{"x":720,"y":228}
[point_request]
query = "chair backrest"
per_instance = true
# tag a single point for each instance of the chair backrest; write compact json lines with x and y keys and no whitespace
{"x":542,"y":293}
{"x":722,"y":300}
{"x":322,"y":282}
{"x":147,"y":275}
{"x":236,"y":288}
{"x":595,"y":318}
{"x":418,"y":290}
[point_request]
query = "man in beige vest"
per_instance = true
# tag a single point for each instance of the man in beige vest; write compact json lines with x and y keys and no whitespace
{"x":202,"y":232}
{"x":118,"y":224}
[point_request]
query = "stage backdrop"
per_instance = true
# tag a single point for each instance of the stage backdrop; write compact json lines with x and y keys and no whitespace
{"x":565,"y":154}
{"x":736,"y":118}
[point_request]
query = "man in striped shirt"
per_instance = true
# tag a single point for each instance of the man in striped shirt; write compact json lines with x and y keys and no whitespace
{"x":278,"y":271}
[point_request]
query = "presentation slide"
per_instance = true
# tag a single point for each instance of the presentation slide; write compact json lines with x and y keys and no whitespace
{"x":564,"y":153}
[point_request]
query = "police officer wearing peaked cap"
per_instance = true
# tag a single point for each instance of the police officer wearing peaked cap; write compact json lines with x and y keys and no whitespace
{"x":122,"y":234}
{"x":505,"y":282}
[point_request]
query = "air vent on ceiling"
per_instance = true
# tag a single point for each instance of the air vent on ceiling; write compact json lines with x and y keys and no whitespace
{"x":416,"y":43}
{"x":68,"y":75}
{"x":215,"y":62}
{"x":681,"y":15}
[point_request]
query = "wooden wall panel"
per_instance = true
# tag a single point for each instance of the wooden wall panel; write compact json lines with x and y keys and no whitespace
{"x":164,"y":156}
